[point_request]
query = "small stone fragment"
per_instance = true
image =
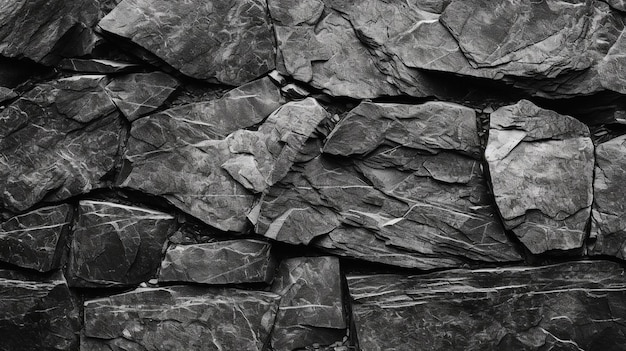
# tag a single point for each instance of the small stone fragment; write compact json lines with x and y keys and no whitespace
{"x":56,"y":141}
{"x":96,"y":66}
{"x":37,"y":312}
{"x":180,"y":318}
{"x":35,"y":239}
{"x":6,"y":94}
{"x":222,"y":262}
{"x":311,"y":306}
{"x":228,"y":42}
{"x":541,"y":167}
{"x":139,"y":94}
{"x":116,"y":245}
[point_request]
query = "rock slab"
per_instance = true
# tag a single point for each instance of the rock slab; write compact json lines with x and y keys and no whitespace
{"x":180,"y":318}
{"x":222,"y":262}
{"x":569,"y":306}
{"x":541,"y":165}
{"x":35,"y":239}
{"x":116,"y":245}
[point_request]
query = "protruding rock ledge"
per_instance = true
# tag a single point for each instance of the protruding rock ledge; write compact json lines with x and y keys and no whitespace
{"x":541,"y":166}
{"x":180,"y":318}
{"x":575,"y":305}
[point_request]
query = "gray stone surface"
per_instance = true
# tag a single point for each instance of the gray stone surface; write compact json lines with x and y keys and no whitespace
{"x":569,"y":306}
{"x":116,"y":245}
{"x":541,"y":166}
{"x":222,"y":262}
{"x":36,"y":239}
{"x":180,"y":318}
{"x":229,"y":42}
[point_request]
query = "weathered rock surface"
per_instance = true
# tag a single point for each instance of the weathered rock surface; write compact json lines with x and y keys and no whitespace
{"x":311,"y":307}
{"x":230,"y":42}
{"x":180,"y":318}
{"x":141,"y":93}
{"x":116,"y":245}
{"x":35,"y":240}
{"x":57,"y":140}
{"x":34,"y":29}
{"x":570,"y":306}
{"x":96,"y":66}
{"x":212,"y":179}
{"x":608,"y":227}
{"x":412,"y":195}
{"x":541,"y":166}
{"x":37,"y":313}
{"x":222,"y":262}
{"x":611,"y":67}
{"x":6,"y":94}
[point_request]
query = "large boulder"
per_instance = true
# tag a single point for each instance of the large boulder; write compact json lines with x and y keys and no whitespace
{"x":541,"y":167}
{"x":58,"y":140}
{"x":36,"y":239}
{"x":229,"y":42}
{"x":37,"y":312}
{"x":180,"y":318}
{"x":397,"y":184}
{"x":569,"y":306}
{"x":116,"y":245}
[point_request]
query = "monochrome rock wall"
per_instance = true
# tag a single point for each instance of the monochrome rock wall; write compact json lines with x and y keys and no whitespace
{"x":312,"y":175}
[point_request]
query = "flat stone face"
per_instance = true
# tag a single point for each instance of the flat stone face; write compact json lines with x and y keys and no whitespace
{"x":39,"y":37}
{"x":611,"y":67}
{"x":524,"y":38}
{"x":141,"y":93}
{"x":570,"y":306}
{"x":607,"y":220}
{"x":541,"y":167}
{"x":58,"y":140}
{"x":311,"y":306}
{"x":180,"y":318}
{"x":116,"y":245}
{"x":230,"y":42}
{"x":216,"y":179}
{"x":412,"y":194}
{"x":34,"y":240}
{"x":222,"y":262}
{"x":37,"y":313}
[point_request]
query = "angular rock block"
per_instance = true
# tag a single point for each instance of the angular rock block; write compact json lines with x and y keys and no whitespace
{"x":569,"y":306}
{"x":541,"y":165}
{"x":35,"y":239}
{"x":45,"y":33}
{"x":141,"y":93}
{"x":56,"y":141}
{"x":116,"y":245}
{"x":37,"y":313}
{"x":311,"y":307}
{"x":412,"y":193}
{"x":228,"y":42}
{"x":180,"y":318}
{"x":216,"y":179}
{"x":222,"y":262}
{"x":608,"y":225}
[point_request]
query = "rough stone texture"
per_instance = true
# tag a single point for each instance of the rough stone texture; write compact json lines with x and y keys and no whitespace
{"x":34,"y":29}
{"x":96,"y":66}
{"x":231,"y":42}
{"x":6,"y":94}
{"x":611,"y":68}
{"x":608,"y":226}
{"x":37,"y":313}
{"x":35,"y":240}
{"x":570,"y":306}
{"x":141,"y":93}
{"x":311,"y":307}
{"x":222,"y":262}
{"x":617,"y":4}
{"x":58,"y":140}
{"x":209,"y":178}
{"x":412,"y":195}
{"x":116,"y":245}
{"x":541,"y":165}
{"x":180,"y":318}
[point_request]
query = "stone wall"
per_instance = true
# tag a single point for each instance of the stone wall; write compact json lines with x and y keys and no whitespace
{"x":312,"y":175}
